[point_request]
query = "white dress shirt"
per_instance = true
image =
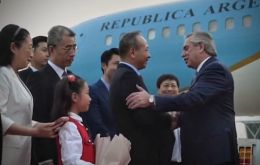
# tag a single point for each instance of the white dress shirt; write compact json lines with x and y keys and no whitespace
{"x":201,"y":64}
{"x":71,"y":143}
{"x":57,"y":69}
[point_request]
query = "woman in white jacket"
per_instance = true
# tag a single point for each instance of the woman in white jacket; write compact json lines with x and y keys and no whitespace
{"x":16,"y":102}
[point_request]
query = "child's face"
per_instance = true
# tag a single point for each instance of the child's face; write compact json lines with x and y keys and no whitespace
{"x":84,"y":99}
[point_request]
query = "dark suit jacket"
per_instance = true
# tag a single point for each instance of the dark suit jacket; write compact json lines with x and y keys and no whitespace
{"x":99,"y":117}
{"x":141,"y":126}
{"x":208,"y":134}
{"x":42,"y":84}
{"x":24,"y":74}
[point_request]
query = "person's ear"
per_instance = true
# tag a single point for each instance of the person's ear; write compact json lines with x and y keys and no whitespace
{"x":132,"y":52}
{"x":13,"y":47}
{"x":104,"y":66}
{"x":51,"y":48}
{"x":74,"y":97}
{"x":202,"y":46}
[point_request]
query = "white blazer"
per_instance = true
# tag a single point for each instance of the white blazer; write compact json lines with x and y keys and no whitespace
{"x":16,"y":106}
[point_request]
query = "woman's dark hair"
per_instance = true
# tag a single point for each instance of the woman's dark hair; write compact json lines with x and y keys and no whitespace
{"x":62,"y":95}
{"x":10,"y":33}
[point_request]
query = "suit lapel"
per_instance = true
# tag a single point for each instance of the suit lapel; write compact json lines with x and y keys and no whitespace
{"x":51,"y":73}
{"x":142,"y":83}
{"x":140,"y":78}
{"x":210,"y":60}
{"x":102,"y":88}
{"x":195,"y":79}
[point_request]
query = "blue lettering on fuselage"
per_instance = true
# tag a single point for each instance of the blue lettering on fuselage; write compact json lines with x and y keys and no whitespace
{"x":178,"y":14}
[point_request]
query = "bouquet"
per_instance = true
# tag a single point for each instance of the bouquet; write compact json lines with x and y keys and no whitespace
{"x":112,"y":152}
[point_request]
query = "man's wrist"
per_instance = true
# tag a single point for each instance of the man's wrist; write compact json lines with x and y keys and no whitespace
{"x":152,"y":100}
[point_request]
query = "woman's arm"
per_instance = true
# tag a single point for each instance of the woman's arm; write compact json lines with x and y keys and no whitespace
{"x":48,"y":130}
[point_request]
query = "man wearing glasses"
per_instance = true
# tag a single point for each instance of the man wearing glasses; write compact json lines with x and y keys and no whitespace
{"x":62,"y":50}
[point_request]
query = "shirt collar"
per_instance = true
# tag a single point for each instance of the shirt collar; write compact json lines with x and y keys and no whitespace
{"x":201,"y":64}
{"x":131,"y":66}
{"x":57,"y":69}
{"x":75,"y":116}
{"x":33,"y":68}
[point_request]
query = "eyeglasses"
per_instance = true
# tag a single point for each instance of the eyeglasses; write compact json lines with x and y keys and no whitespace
{"x":69,"y":48}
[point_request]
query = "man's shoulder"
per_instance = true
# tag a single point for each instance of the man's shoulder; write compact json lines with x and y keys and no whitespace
{"x":97,"y":87}
{"x":46,"y":76}
{"x":216,"y":65}
{"x":125,"y":71}
{"x":213,"y":63}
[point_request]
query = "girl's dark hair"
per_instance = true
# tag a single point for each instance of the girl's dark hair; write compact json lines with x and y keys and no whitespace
{"x":62,"y":95}
{"x":10,"y":33}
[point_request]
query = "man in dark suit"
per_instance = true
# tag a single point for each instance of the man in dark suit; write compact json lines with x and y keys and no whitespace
{"x":208,"y":134}
{"x":99,"y":118}
{"x":39,"y":59}
{"x":168,"y":85}
{"x":62,"y":49}
{"x":140,"y":127}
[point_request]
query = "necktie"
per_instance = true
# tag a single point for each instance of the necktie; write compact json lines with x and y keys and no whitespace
{"x":64,"y":74}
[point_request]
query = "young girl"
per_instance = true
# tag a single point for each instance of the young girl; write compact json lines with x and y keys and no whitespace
{"x":74,"y":145}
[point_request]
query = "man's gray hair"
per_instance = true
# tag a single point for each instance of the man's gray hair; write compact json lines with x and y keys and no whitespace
{"x":206,"y":39}
{"x":56,"y":34}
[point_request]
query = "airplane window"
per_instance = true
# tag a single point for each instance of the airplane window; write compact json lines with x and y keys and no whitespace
{"x":108,"y":40}
{"x":181,"y":30}
{"x":166,"y":32}
{"x":213,"y":26}
{"x":247,"y":21}
{"x":151,"y":34}
{"x":196,"y":27}
{"x":230,"y":23}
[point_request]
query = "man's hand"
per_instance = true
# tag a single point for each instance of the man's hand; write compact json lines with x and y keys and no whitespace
{"x":138,"y":99}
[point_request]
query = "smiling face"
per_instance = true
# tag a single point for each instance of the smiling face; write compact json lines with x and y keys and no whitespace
{"x":141,"y":54}
{"x":191,"y":53}
{"x":168,"y":87}
{"x":22,"y":54}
